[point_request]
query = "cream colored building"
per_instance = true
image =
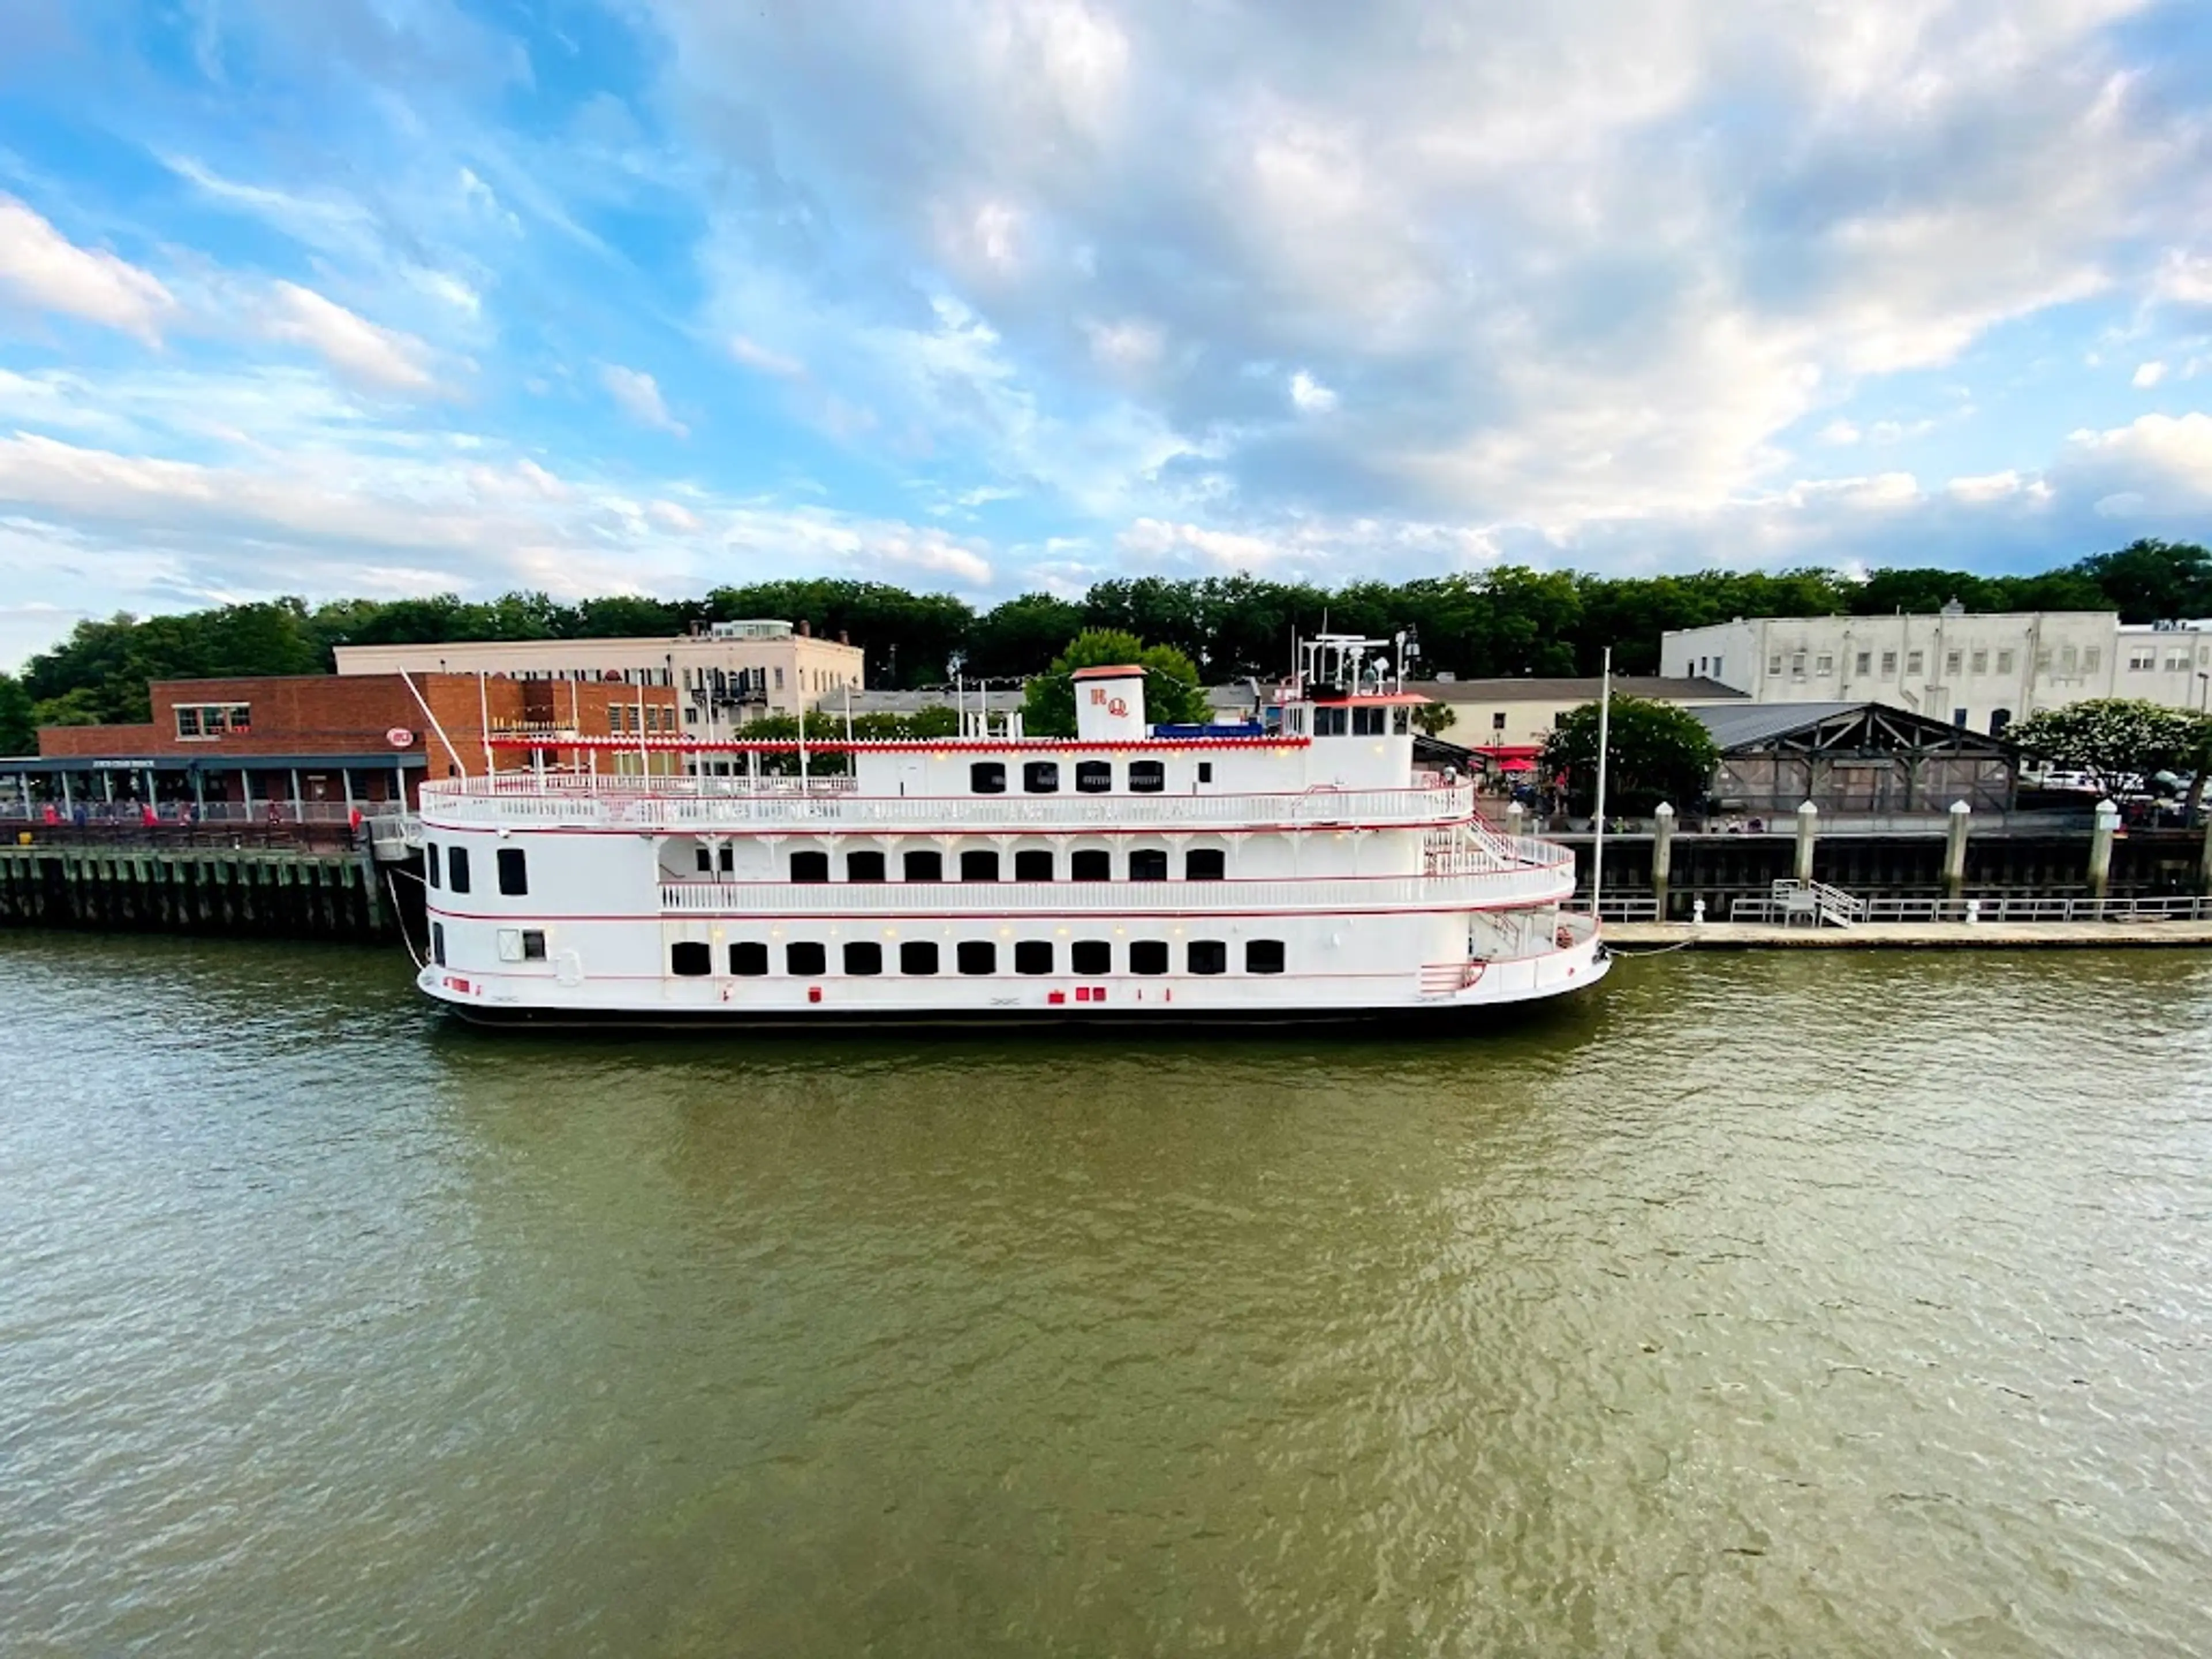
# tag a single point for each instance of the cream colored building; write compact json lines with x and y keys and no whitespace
{"x":1983,"y":671}
{"x":728,"y":675}
{"x":1520,"y":713}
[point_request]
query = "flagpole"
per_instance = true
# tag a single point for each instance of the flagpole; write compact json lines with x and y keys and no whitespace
{"x":1604,"y":738}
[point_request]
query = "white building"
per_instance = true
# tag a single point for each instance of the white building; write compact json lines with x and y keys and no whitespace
{"x":1980,"y":671}
{"x":731,"y":674}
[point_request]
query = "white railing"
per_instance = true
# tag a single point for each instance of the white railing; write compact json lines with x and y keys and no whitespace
{"x":1349,"y":893}
{"x":214,"y":811}
{"x":1627,"y":906}
{"x":724,"y":804}
{"x":2003,"y":907}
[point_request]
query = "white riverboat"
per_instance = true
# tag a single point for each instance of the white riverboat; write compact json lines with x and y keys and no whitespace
{"x":1302,"y":870}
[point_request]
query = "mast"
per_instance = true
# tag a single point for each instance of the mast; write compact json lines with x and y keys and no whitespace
{"x":1604,"y":735}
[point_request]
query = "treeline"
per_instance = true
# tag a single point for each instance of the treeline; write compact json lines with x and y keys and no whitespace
{"x":1510,"y":620}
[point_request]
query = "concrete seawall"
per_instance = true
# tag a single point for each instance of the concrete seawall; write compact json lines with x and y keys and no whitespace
{"x":1635,"y":937}
{"x":274,"y":892}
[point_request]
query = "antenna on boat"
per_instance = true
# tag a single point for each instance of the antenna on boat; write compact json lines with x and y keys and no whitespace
{"x":1604,"y":724}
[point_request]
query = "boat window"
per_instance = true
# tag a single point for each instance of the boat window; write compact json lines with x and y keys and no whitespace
{"x":1263,"y":956}
{"x":1204,"y":864}
{"x":1147,"y":777}
{"x":514,"y":872}
{"x":805,"y":957}
{"x":1208,"y":955}
{"x":918,"y":956}
{"x":924,"y":866}
{"x":749,"y":959}
{"x":987,"y":777}
{"x":1034,"y":864}
{"x":1093,"y":777}
{"x":1033,"y":955}
{"x":979,"y":866}
{"x":978,"y":956}
{"x":457,"y":868}
{"x":1148,"y":864}
{"x":1148,"y":956}
{"x":1401,"y":721}
{"x":1090,"y":863}
{"x":533,"y":945}
{"x":1329,"y":722}
{"x":809,"y":867}
{"x":864,"y":866}
{"x":1370,"y":722}
{"x":863,"y":955}
{"x":1205,"y":771}
{"x":691,"y":957}
{"x":706,"y":864}
{"x":438,"y":943}
{"x":1090,"y":956}
{"x":728,"y":858}
{"x":1040,"y":777}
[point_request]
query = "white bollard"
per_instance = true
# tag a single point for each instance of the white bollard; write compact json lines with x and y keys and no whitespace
{"x":1697,"y":913}
{"x":1973,"y":911}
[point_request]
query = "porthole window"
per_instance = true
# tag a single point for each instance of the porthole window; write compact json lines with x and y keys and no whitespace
{"x":979,"y":865}
{"x":1033,"y":955}
{"x":1148,"y":864}
{"x":978,"y":956}
{"x":1208,"y":955}
{"x":810,"y":868}
{"x":987,"y":777}
{"x":691,"y":958}
{"x":749,"y":959}
{"x":803,"y":958}
{"x":1041,"y":778}
{"x":1263,"y":956}
{"x":1094,"y":777}
{"x":1090,"y":863}
{"x":863,"y":957}
{"x":1148,"y":956}
{"x":1090,"y":956}
{"x":1033,"y":865}
{"x":924,"y":866}
{"x":1147,"y":777}
{"x":1204,"y":864}
{"x":918,"y":956}
{"x":864,"y":866}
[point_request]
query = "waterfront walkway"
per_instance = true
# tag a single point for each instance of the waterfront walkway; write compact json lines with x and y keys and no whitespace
{"x":1632,"y":936}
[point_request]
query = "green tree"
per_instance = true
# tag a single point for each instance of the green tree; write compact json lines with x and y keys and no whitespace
{"x":1654,"y":751}
{"x":19,"y":730}
{"x":1433,"y":717}
{"x":1172,"y":696}
{"x":2152,"y":581}
{"x":2117,"y":741}
{"x":1018,"y":638}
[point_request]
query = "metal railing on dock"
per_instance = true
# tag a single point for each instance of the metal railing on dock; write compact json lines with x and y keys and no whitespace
{"x":1999,"y":908}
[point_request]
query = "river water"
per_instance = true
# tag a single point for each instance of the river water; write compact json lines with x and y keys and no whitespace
{"x":1789,"y":1304}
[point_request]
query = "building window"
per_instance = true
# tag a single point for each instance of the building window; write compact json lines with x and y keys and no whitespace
{"x":438,"y":943}
{"x":1033,"y":864}
{"x":514,"y":872}
{"x":923,"y":866}
{"x":918,"y":957}
{"x":2043,"y":659}
{"x":1999,"y":719}
{"x":1263,"y":956}
{"x":1797,"y":665}
{"x":988,"y":778}
{"x":1093,"y":777}
{"x":1204,"y":864}
{"x":810,"y":868}
{"x":1090,"y":956}
{"x":749,"y":959}
{"x":1913,"y":661}
{"x":778,"y":680}
{"x":983,"y":866}
{"x":1033,"y":955}
{"x":1148,"y":864}
{"x":1774,"y":662}
{"x":1953,"y":661}
{"x":212,"y":720}
{"x":1717,"y":668}
{"x":188,"y":721}
{"x":805,"y":958}
{"x":1147,"y":777}
{"x":1889,"y":664}
{"x":1330,"y":722}
{"x":1498,"y":723}
{"x":1041,"y":778}
{"x":1981,"y":663}
{"x":430,"y":862}
{"x":691,"y":958}
{"x":1959,"y":718}
{"x":2091,"y":658}
{"x":2004,"y":662}
{"x":864,"y":866}
{"x":1148,"y":956}
{"x":1208,"y":955}
{"x":2139,"y":660}
{"x":1824,"y":665}
{"x":457,"y":868}
{"x":2176,"y":662}
{"x":863,"y":957}
{"x":976,"y":956}
{"x":2068,"y":660}
{"x":1090,"y":863}
{"x":1863,"y":664}
{"x":533,"y":945}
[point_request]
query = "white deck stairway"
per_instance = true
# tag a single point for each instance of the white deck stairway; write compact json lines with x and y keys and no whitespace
{"x":1817,"y":903}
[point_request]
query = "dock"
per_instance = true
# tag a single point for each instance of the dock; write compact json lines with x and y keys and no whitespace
{"x":2137,"y":933}
{"x":282,"y":892}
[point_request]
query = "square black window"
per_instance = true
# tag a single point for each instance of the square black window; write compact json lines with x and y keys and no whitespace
{"x":514,"y":872}
{"x":691,"y":958}
{"x":805,"y":957}
{"x":1148,"y":864}
{"x":1034,"y":864}
{"x":1147,"y":777}
{"x":978,"y":956}
{"x":457,"y":868}
{"x":533,"y":945}
{"x":749,"y":959}
{"x":1205,"y":771}
{"x":1040,"y":777}
{"x":924,"y":866}
{"x":1204,"y":864}
{"x":1263,"y":956}
{"x":987,"y":777}
{"x":1094,"y":777}
{"x":438,"y":943}
{"x":809,"y":867}
{"x":918,"y":956}
{"x":1033,"y":955}
{"x":1090,"y":956}
{"x":1092,"y":863}
{"x":979,"y":866}
{"x":863,"y":955}
{"x":1148,"y":956}
{"x":864,"y":866}
{"x":1208,"y":955}
{"x":430,"y":862}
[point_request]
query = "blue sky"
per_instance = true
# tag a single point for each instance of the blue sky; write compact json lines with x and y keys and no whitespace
{"x":391,"y":297}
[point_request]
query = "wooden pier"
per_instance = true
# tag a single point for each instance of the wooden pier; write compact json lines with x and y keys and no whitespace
{"x":1638,"y":938}
{"x":277,"y":892}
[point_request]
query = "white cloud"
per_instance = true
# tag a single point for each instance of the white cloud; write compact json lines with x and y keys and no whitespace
{"x":1839,"y":432}
{"x":2147,"y":375}
{"x":1310,"y":396}
{"x":637,"y":394}
{"x":753,"y":355}
{"x":381,"y":358}
{"x":45,"y":270}
{"x":1130,"y":344}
